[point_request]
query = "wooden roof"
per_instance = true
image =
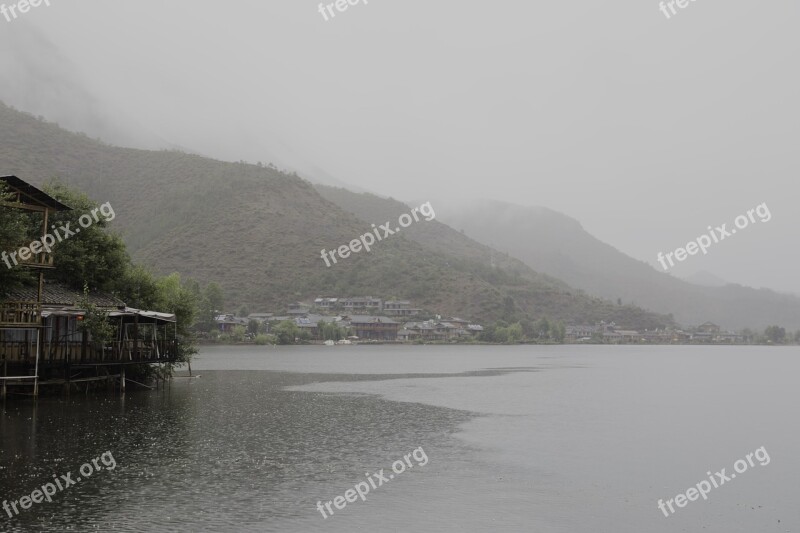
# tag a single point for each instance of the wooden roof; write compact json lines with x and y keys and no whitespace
{"x":28,"y":195}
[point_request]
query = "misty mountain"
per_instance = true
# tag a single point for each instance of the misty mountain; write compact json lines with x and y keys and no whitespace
{"x":258,"y":232}
{"x":705,"y":279}
{"x":555,"y":244}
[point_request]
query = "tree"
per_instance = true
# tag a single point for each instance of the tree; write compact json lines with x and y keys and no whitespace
{"x":92,"y":256}
{"x":252,"y":326}
{"x":528,"y":328}
{"x":559,"y":332}
{"x":488,"y":334}
{"x":138,"y":288}
{"x":14,"y":226}
{"x":95,"y":322}
{"x":331,"y":331}
{"x":286,"y":332}
{"x":238,"y":333}
{"x":216,"y":299}
{"x":543,"y":328}
{"x":514,"y":332}
{"x":775,"y":334}
{"x":209,"y":302}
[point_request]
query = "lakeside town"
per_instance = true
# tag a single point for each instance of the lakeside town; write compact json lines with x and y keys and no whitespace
{"x":368,"y":319}
{"x":52,"y":333}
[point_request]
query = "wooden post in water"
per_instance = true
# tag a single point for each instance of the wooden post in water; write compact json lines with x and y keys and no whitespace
{"x":5,"y":381}
{"x":36,"y":369}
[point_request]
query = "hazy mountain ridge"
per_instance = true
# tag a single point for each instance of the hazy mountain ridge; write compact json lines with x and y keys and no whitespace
{"x":259,"y":232}
{"x":439,"y":237}
{"x":556,"y":244}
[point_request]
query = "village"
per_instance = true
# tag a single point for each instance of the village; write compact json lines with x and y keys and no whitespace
{"x":363,"y":319}
{"x":350,"y":320}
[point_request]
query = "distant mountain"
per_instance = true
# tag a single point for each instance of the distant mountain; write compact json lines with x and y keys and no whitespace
{"x":258,"y":232}
{"x":705,"y":279}
{"x":555,"y":244}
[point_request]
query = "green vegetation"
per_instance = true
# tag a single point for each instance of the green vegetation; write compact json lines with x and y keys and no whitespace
{"x":775,"y":334}
{"x":543,"y":331}
{"x":95,"y":257}
{"x":96,"y":260}
{"x":284,"y":330}
{"x":258,"y":233}
{"x":95,"y":322}
{"x":332,"y":332}
{"x":265,"y":339}
{"x":13,"y":235}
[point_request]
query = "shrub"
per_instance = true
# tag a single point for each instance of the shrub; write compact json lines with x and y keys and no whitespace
{"x":262,"y":340}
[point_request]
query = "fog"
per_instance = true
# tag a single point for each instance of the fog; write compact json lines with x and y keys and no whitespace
{"x":645,"y":129}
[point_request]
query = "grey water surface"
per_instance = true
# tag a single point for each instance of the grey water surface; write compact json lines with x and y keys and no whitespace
{"x":517,"y":438}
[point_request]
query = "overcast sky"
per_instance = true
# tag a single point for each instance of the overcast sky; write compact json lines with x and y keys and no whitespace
{"x":645,"y":129}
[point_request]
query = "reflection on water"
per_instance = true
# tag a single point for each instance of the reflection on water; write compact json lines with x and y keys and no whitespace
{"x":557,"y":439}
{"x":230,"y":451}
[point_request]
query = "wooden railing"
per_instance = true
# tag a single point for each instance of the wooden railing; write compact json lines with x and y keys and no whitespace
{"x":76,"y":353}
{"x":40,"y":260}
{"x":20,"y":314}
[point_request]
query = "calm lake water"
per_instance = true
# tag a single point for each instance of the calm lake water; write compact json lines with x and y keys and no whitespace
{"x":518,"y":438}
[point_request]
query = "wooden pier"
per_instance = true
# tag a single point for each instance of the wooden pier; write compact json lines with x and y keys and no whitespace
{"x":41,"y":338}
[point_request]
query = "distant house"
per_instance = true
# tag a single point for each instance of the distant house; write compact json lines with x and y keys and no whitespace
{"x":310,"y":323}
{"x":427,"y":331}
{"x":612,"y":336}
{"x":709,"y":327}
{"x":629,"y":335}
{"x":260,"y":317}
{"x":227,"y":323}
{"x":53,"y":325}
{"x":658,"y":336}
{"x":732,"y":338}
{"x":580,"y":332}
{"x":372,"y":327}
{"x":474,"y":329}
{"x":326,"y":303}
{"x":399,"y":308}
{"x":368,"y":304}
{"x":407,"y":334}
{"x":451,"y":331}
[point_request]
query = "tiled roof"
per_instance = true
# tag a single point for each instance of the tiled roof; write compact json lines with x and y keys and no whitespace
{"x":366,"y":319}
{"x":61,"y":295}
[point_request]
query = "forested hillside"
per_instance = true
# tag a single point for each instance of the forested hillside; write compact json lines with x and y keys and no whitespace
{"x":258,"y":232}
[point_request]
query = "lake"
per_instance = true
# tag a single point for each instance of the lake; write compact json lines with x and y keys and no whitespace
{"x":489,"y":438}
